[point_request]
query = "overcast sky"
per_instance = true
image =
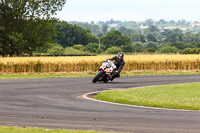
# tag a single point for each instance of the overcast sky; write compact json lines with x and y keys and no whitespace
{"x":130,"y":10}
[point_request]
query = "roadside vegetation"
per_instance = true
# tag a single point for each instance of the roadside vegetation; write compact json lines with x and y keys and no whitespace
{"x":29,"y":28}
{"x":176,"y":96}
{"x":41,"y":130}
{"x":89,"y":64}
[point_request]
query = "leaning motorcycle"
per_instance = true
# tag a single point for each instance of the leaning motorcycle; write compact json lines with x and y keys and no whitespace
{"x":105,"y":72}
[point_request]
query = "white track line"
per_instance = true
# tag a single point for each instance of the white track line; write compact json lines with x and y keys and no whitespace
{"x":127,"y":105}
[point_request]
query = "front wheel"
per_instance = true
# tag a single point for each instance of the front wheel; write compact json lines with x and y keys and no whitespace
{"x":95,"y":79}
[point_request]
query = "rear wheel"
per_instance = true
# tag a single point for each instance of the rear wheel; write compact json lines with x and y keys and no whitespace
{"x":95,"y":79}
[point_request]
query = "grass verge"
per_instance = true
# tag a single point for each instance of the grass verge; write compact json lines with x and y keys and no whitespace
{"x":176,"y":96}
{"x":41,"y":130}
{"x":64,"y":75}
{"x":25,"y":76}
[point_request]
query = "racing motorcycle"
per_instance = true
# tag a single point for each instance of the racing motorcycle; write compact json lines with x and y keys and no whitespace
{"x":105,"y":72}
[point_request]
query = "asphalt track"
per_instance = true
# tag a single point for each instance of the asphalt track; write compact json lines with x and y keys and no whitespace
{"x":58,"y":103}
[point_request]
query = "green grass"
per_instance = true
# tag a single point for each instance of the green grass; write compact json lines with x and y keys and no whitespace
{"x":49,"y":75}
{"x":41,"y":130}
{"x":176,"y":96}
{"x":22,"y":76}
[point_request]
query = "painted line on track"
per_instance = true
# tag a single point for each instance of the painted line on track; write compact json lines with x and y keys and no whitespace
{"x":128,"y":105}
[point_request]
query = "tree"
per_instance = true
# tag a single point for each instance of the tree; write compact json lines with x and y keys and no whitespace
{"x":93,"y":28}
{"x":125,"y":31}
{"x":135,"y":37}
{"x":128,"y":48}
{"x":104,"y":28}
{"x":149,"y":22}
{"x":148,"y":45}
{"x":19,"y":16}
{"x":162,"y":21}
{"x":115,"y":38}
{"x":150,"y":37}
{"x":138,"y":47}
{"x":188,"y":37}
{"x":178,"y":45}
{"x":174,"y":37}
{"x":70,"y":34}
{"x":153,"y":28}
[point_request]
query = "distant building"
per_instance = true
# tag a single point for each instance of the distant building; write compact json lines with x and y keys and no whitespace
{"x":195,"y":24}
{"x":113,"y":25}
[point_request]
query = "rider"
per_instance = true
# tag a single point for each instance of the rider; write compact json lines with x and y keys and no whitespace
{"x":119,"y":62}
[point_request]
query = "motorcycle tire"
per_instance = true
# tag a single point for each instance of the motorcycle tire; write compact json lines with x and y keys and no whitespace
{"x":95,"y":79}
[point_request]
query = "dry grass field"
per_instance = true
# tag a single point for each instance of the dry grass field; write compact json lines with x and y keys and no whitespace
{"x":89,"y":64}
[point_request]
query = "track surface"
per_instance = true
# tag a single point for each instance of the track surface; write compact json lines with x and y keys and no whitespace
{"x":58,"y":103}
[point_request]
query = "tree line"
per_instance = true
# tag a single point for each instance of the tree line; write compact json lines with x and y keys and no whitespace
{"x":29,"y":28}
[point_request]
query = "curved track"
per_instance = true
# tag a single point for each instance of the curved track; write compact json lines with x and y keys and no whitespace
{"x":58,"y":103}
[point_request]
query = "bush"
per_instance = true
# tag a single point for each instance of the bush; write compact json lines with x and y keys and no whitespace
{"x":186,"y":51}
{"x":168,"y":49}
{"x":190,"y":51}
{"x":128,"y":48}
{"x":92,"y":47}
{"x":72,"y":51}
{"x":113,"y":50}
{"x":56,"y":50}
{"x":79,"y":47}
{"x":151,"y":50}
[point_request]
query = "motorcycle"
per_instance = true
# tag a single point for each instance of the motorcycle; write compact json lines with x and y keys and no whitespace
{"x":105,"y":72}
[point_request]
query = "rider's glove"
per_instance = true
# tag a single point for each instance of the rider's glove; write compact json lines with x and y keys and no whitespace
{"x":116,"y":71}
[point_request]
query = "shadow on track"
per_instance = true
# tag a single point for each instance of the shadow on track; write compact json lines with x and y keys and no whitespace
{"x":100,"y":82}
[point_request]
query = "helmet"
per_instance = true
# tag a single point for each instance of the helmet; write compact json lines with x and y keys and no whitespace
{"x":120,"y":55}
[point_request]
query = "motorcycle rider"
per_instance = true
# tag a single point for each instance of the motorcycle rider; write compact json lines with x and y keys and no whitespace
{"x":119,"y":62}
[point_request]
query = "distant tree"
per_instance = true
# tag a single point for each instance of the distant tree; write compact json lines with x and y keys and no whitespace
{"x":166,"y":32}
{"x":115,"y":38}
{"x":172,"y":22}
{"x":135,"y":37}
{"x":162,"y":21}
{"x":188,"y":37}
{"x":104,"y":28}
{"x":72,"y":34}
{"x":151,"y":38}
{"x":128,"y":48}
{"x":178,"y":45}
{"x":153,"y":28}
{"x":92,"y":27}
{"x":138,"y":47}
{"x":149,"y":22}
{"x":174,"y":37}
{"x":125,"y":31}
{"x":148,"y":45}
{"x":142,"y":38}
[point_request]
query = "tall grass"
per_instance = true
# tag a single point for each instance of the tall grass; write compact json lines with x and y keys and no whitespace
{"x":90,"y":63}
